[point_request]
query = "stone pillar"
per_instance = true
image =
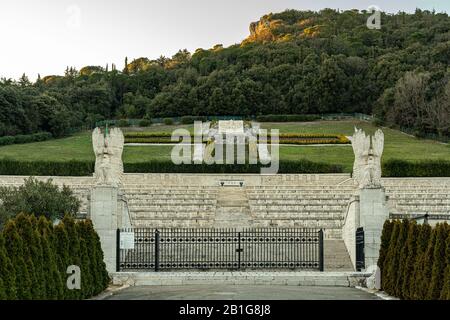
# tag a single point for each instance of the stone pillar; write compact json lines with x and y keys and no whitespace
{"x":373,"y":212}
{"x":106,"y":216}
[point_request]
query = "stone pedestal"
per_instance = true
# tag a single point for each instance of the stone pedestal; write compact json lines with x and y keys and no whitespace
{"x":106,"y":215}
{"x":373,"y":212}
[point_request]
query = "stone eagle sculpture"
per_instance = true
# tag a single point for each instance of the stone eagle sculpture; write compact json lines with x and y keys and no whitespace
{"x":368,"y":151}
{"x":108,"y":149}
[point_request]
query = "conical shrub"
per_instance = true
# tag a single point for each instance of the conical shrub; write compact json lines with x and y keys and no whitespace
{"x":426,"y":264}
{"x":7,"y":272}
{"x":390,"y":264}
{"x":402,"y":253}
{"x":385,"y":239}
{"x":408,"y":268}
{"x":53,"y":282}
{"x":445,"y":293}
{"x":422,"y":245}
{"x":31,"y":254}
{"x":61,"y":245}
{"x":439,"y":263}
{"x":15,"y":250}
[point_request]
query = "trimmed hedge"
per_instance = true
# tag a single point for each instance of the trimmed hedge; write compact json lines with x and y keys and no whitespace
{"x":391,"y":168}
{"x":402,"y":168}
{"x":29,"y":138}
{"x":168,"y":121}
{"x":192,"y":119}
{"x":300,"y":166}
{"x":415,"y":260}
{"x":35,"y":255}
{"x":288,"y":118}
{"x":285,"y":138}
{"x":46,"y":168}
{"x":145,"y":123}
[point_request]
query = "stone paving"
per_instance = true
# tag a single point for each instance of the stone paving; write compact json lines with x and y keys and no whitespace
{"x":241,"y":292}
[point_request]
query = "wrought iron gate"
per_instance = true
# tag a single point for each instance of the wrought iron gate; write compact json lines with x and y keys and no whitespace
{"x":360,"y":257}
{"x":146,"y":249}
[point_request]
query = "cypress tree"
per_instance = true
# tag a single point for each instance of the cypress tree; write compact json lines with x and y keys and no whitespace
{"x":2,"y":290}
{"x":408,"y":268}
{"x":74,"y":255}
{"x":53,"y":283}
{"x":87,"y":283}
{"x":422,"y":244}
{"x":426,"y":264}
{"x":439,"y":263}
{"x":61,"y":245}
{"x":445,"y":293}
{"x":390,"y":263}
{"x":385,"y":238}
{"x":15,"y":250}
{"x":402,"y":252}
{"x":30,"y":253}
{"x":103,"y":277}
{"x":7,"y":272}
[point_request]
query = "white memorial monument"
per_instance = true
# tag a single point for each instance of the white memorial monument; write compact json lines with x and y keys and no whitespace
{"x":368,"y":208}
{"x":108,"y":208}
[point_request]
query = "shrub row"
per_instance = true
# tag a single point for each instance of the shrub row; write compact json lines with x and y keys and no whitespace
{"x":19,"y":139}
{"x":415,"y":260}
{"x":402,"y":168}
{"x":192,"y":119}
{"x":46,"y":168}
{"x":285,"y":138}
{"x":288,"y":118}
{"x":391,"y":168}
{"x":299,"y":166}
{"x":35,"y":255}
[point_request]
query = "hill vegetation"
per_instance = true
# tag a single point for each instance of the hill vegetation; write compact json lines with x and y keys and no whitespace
{"x":294,"y":62}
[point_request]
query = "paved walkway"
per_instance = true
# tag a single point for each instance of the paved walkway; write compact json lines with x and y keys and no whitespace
{"x":243,"y":292}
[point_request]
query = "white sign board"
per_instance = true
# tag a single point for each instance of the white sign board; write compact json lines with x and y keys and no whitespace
{"x":127,"y":240}
{"x":229,"y":183}
{"x":231,"y":127}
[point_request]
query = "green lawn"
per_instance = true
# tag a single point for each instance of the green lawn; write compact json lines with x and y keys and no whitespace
{"x":397,"y":145}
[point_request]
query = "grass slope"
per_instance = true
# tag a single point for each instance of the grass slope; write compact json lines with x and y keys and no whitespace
{"x":397,"y":145}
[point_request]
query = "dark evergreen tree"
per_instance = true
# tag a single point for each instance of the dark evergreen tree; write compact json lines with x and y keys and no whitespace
{"x":16,"y":252}
{"x":445,"y":293}
{"x":52,"y":277}
{"x":426,"y":265}
{"x":438,"y":263}
{"x":7,"y":272}
{"x":385,"y":240}
{"x":408,"y":267}
{"x":402,"y":254}
{"x":391,"y":261}
{"x":32,"y":254}
{"x":422,"y":244}
{"x":62,"y":249}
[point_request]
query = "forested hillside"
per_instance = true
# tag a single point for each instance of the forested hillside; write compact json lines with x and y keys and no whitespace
{"x":294,"y":62}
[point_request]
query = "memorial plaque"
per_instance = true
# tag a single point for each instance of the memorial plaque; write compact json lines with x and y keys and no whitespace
{"x":231,"y":127}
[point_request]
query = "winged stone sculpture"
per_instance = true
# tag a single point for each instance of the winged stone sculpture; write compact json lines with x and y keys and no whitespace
{"x":368,"y":151}
{"x":108,"y":149}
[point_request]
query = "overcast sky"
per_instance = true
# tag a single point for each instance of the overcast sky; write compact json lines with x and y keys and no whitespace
{"x":44,"y":36}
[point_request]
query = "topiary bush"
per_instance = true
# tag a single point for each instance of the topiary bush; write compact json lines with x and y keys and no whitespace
{"x":168,"y":121}
{"x":144,"y":123}
{"x":122,"y":123}
{"x":20,"y":139}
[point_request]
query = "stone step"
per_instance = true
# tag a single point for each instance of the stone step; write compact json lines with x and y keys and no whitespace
{"x":293,"y":278}
{"x":336,"y":256}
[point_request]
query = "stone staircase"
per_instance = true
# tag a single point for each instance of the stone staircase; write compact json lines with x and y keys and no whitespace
{"x":233,"y":210}
{"x":336,"y":257}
